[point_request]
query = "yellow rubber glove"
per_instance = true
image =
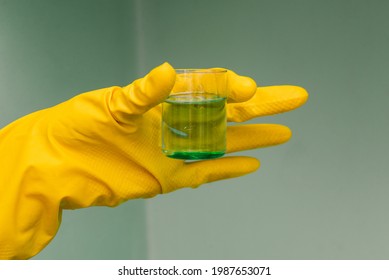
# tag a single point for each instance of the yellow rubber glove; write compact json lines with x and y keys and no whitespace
{"x":103,"y":148}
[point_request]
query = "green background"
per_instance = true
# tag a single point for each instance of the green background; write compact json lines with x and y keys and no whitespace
{"x":323,"y":195}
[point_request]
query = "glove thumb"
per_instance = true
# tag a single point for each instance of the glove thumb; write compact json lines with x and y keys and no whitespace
{"x":143,"y":94}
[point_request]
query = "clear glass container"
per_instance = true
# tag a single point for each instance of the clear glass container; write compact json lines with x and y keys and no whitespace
{"x":194,"y":115}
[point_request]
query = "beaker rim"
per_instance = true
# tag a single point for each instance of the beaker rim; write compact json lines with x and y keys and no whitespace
{"x":200,"y":70}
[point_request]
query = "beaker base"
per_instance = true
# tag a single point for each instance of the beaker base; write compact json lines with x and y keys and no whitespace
{"x":194,"y":155}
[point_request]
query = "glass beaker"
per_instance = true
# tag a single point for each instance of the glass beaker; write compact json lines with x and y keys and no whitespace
{"x":194,"y":115}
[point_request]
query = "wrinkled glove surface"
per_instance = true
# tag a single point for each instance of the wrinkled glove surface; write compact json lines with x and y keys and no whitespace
{"x":103,"y":148}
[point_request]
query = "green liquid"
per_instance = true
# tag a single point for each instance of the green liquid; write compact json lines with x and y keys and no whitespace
{"x":194,"y":126}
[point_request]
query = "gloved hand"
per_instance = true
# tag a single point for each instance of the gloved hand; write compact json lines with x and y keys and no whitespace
{"x":103,"y":148}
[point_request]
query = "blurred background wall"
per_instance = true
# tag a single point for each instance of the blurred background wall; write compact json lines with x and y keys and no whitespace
{"x":323,"y":195}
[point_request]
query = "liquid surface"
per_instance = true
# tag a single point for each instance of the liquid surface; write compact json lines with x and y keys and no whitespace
{"x":194,"y":126}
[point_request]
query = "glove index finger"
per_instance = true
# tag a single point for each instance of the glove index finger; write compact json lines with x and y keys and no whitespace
{"x":267,"y":101}
{"x":240,"y":88}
